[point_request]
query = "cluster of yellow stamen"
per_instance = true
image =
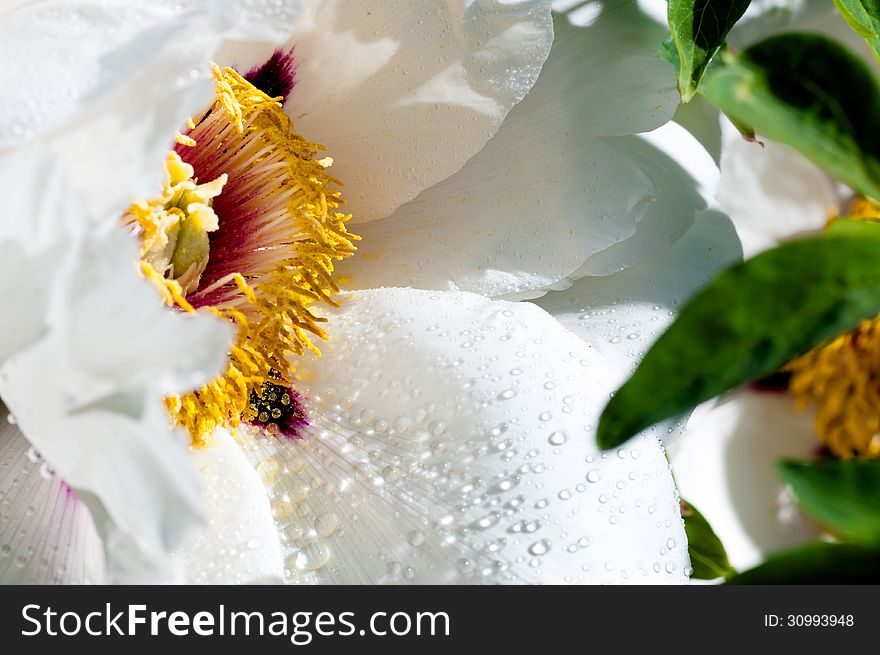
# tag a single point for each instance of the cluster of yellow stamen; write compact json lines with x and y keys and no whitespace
{"x":274,"y":262}
{"x":174,"y":228}
{"x":841,"y":378}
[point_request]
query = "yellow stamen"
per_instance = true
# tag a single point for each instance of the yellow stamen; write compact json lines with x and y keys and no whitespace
{"x":174,"y":227}
{"x":864,"y":209}
{"x":300,"y":234}
{"x":841,"y":379}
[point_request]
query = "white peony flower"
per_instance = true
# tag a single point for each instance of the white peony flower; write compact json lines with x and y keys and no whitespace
{"x":442,"y":436}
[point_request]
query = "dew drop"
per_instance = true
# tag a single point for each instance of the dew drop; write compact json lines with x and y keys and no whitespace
{"x":416,"y":538}
{"x":540,"y":547}
{"x":326,"y":524}
{"x":557,"y":438}
{"x":312,"y":556}
{"x":487,"y":521}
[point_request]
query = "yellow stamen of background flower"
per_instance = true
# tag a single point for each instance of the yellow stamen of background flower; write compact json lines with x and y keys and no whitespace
{"x":285,"y":264}
{"x":841,"y":379}
{"x":863,"y":209}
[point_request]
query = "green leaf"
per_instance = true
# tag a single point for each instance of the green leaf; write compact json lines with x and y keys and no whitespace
{"x":810,"y":93}
{"x":844,"y":495}
{"x":698,"y":29}
{"x":708,"y":557}
{"x":747,"y":323}
{"x":863,"y":17}
{"x":820,"y":563}
{"x":668,"y":52}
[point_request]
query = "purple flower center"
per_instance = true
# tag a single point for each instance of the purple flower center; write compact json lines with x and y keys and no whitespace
{"x":276,"y":77}
{"x":278,"y":410}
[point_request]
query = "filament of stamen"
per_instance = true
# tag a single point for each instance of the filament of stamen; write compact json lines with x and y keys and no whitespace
{"x":270,"y":256}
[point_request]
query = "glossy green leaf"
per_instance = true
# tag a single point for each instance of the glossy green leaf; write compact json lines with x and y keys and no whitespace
{"x":809,"y":92}
{"x":863,"y":17}
{"x":698,"y":29}
{"x":820,"y":563}
{"x":748,"y":322}
{"x":844,"y":495}
{"x":708,"y":557}
{"x":668,"y":52}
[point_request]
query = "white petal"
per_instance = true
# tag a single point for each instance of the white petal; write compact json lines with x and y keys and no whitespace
{"x":109,"y":439}
{"x":403,"y":93}
{"x":118,"y":333}
{"x":135,"y":478}
{"x":240,"y":544}
{"x":685,"y":181}
{"x":79,"y":74}
{"x":46,"y":534}
{"x":701,"y":119}
{"x":761,"y":19}
{"x":450,"y":441}
{"x":551,"y":188}
{"x":621,"y":315}
{"x":87,"y":393}
{"x":724,"y":465}
{"x":765,"y":18}
{"x":772,"y":192}
{"x":24,"y":282}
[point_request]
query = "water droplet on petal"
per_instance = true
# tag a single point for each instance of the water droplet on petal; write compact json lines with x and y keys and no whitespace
{"x":541,"y":547}
{"x":557,"y":438}
{"x":326,"y":524}
{"x":416,"y":537}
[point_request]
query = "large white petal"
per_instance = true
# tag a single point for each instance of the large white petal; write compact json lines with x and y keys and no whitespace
{"x":450,"y":441}
{"x":86,"y":387}
{"x":555,"y":185}
{"x":685,"y":180}
{"x":46,"y":534}
{"x":621,"y":315}
{"x":78,"y":74}
{"x":240,"y":543}
{"x":725,"y":466}
{"x":403,"y":93}
{"x":24,"y":282}
{"x":87,"y":397}
{"x":701,"y":119}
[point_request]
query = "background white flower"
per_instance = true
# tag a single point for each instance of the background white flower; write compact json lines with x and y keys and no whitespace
{"x":725,"y":462}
